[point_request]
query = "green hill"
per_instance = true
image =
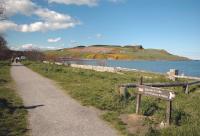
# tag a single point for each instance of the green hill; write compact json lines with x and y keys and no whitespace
{"x":116,"y":52}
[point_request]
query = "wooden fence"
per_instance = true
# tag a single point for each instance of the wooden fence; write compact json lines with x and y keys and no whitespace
{"x":154,"y":90}
{"x":185,"y":85}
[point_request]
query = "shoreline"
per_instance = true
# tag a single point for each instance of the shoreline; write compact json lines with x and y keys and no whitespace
{"x":118,"y":70}
{"x":162,"y":60}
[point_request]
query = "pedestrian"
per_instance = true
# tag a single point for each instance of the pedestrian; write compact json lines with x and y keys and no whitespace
{"x":12,"y":60}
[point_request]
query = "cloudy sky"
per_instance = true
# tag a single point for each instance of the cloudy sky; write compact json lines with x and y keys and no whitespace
{"x":173,"y":25}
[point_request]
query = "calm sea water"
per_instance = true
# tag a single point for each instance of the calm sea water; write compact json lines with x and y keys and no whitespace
{"x":188,"y":68}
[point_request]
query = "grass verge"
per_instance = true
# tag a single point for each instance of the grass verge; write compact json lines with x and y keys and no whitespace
{"x":13,"y":117}
{"x":98,"y":89}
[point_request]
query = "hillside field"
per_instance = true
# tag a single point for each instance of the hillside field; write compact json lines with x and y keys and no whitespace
{"x":114,"y":53}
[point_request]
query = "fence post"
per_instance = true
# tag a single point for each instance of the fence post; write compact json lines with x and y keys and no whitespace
{"x":168,"y":112}
{"x":123,"y":92}
{"x":138,"y":102}
{"x":187,"y":89}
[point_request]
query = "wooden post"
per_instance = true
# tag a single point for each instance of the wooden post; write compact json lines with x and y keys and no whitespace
{"x":141,"y":80}
{"x":123,"y":92}
{"x":138,"y":102}
{"x":187,"y":89}
{"x":168,"y":112}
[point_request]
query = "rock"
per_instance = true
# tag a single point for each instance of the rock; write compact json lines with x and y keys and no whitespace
{"x":163,"y":124}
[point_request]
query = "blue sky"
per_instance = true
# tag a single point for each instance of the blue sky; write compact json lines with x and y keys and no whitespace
{"x":173,"y":25}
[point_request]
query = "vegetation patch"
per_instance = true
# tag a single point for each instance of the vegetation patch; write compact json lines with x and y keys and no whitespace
{"x":13,"y":116}
{"x":113,"y":52}
{"x":98,"y":89}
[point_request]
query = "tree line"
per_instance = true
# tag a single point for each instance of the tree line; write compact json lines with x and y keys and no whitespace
{"x":6,"y":53}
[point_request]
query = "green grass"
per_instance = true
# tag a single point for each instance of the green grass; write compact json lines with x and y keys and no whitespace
{"x":98,"y":89}
{"x":13,"y":120}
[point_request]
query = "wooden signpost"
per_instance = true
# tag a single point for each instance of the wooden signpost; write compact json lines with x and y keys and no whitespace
{"x":156,"y":92}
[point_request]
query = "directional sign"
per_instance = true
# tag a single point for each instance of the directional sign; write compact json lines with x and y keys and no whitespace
{"x":157,"y":92}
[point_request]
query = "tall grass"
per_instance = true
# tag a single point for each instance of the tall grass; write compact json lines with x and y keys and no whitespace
{"x":98,"y":89}
{"x":12,"y":116}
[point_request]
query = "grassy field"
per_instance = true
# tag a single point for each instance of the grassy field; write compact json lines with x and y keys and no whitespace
{"x":13,"y":121}
{"x":99,"y":90}
{"x":117,"y":53}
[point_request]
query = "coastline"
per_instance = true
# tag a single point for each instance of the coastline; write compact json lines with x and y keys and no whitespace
{"x":118,"y":70}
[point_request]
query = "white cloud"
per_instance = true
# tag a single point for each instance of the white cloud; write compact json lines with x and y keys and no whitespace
{"x":51,"y":48}
{"x":73,"y":42}
{"x":34,"y":27}
{"x":27,"y":46}
{"x":89,"y":37}
{"x":99,"y":36}
{"x":44,"y":26}
{"x":30,"y":46}
{"x":82,"y":2}
{"x":95,"y":36}
{"x":37,"y":26}
{"x":7,"y":25}
{"x":116,"y":1}
{"x":23,"y":47}
{"x":49,"y":19}
{"x":75,"y":2}
{"x":53,"y":40}
{"x":52,"y":16}
{"x":13,"y":7}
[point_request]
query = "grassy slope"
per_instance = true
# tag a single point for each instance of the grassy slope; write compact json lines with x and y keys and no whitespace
{"x":99,"y":90}
{"x":12,"y":117}
{"x":122,"y":53}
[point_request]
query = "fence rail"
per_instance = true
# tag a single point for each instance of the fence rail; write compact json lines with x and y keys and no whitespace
{"x":185,"y":85}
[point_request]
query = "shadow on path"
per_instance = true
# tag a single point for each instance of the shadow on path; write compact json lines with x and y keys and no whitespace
{"x":16,"y":64}
{"x":3,"y":80}
{"x":4,"y":104}
{"x":31,"y":107}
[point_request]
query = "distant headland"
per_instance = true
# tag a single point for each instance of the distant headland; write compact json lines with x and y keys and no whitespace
{"x":115,"y":52}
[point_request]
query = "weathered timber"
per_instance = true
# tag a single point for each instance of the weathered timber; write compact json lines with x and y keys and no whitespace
{"x":156,"y":92}
{"x":193,"y":83}
{"x":138,"y":102}
{"x":133,"y":85}
{"x":123,"y":92}
{"x":174,"y":84}
{"x":169,"y":112}
{"x":185,"y":85}
{"x":187,"y":89}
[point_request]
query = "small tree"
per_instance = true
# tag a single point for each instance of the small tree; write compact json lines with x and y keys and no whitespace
{"x":5,"y":53}
{"x":34,"y":55}
{"x":2,"y":10}
{"x":3,"y":44}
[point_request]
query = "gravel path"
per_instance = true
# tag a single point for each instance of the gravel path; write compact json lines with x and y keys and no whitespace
{"x":52,"y":112}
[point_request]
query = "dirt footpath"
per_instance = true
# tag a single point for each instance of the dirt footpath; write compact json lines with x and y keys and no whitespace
{"x":52,"y":112}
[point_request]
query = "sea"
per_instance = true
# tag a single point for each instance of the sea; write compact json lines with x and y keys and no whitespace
{"x":186,"y":68}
